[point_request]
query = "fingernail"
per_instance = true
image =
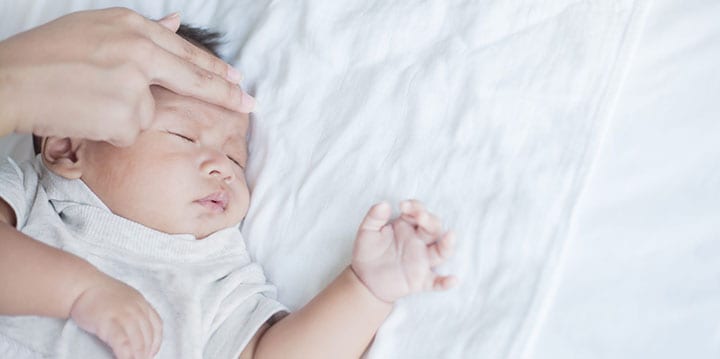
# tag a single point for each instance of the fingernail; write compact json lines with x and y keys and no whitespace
{"x":234,"y":75}
{"x":171,"y":22}
{"x":174,"y":15}
{"x":248,"y":102}
{"x":405,"y":206}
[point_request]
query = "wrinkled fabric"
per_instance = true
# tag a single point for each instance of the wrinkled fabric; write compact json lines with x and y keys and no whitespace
{"x":210,"y":295}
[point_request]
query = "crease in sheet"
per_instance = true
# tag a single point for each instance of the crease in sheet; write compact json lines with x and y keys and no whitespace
{"x":550,"y":279}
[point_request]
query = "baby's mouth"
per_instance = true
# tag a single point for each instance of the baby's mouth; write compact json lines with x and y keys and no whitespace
{"x":216,"y":202}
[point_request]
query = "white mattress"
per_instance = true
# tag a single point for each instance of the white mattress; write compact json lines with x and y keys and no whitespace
{"x":496,"y":114}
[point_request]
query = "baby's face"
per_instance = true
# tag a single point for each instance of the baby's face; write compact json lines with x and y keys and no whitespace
{"x":183,"y":175}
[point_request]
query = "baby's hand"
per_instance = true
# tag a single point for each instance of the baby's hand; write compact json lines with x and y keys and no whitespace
{"x":396,"y":259}
{"x":121,"y":317}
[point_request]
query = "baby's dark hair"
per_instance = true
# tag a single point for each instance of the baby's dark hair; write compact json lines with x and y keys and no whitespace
{"x":201,"y":37}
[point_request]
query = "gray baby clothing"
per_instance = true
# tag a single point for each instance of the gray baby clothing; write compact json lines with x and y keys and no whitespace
{"x":211,"y":296}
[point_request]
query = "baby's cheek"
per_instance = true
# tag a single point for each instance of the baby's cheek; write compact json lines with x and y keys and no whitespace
{"x":242,"y":202}
{"x":244,"y":205}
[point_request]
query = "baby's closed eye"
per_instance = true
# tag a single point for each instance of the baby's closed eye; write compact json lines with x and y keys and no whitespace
{"x":182,"y":136}
{"x":231,"y":158}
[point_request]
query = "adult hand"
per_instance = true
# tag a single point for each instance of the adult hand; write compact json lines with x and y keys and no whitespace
{"x":88,"y":75}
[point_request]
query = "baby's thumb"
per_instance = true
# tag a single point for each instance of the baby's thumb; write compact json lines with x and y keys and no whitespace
{"x":377,"y":217}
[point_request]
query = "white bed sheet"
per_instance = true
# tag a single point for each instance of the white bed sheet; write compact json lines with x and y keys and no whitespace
{"x":487,"y":111}
{"x":641,"y":274}
{"x":490,"y":112}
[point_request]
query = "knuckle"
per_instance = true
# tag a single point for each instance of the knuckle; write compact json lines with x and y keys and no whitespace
{"x":128,"y":16}
{"x":203,"y":76}
{"x":189,"y":51}
{"x":130,"y":78}
{"x":217,"y":66}
{"x":143,"y":47}
{"x":228,"y":93}
{"x":233,"y":92}
{"x":117,"y":11}
{"x":126,"y":132}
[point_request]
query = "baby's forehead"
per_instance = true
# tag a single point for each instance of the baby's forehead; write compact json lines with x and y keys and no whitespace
{"x":188,"y":111}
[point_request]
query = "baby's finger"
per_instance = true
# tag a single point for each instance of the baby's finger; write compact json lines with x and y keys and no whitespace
{"x":444,"y":282}
{"x":411,"y":206}
{"x":123,"y":352}
{"x":377,"y":217}
{"x":144,"y":344}
{"x":157,"y":332}
{"x":119,"y":340}
{"x":429,"y":227}
{"x":428,"y":221}
{"x":441,"y":250}
{"x":417,"y":231}
{"x":139,"y":338}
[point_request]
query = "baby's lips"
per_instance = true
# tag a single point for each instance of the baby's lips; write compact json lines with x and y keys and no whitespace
{"x":221,"y":197}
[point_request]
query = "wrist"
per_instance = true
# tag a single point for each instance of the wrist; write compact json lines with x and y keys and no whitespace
{"x":357,"y":281}
{"x":86,"y":277}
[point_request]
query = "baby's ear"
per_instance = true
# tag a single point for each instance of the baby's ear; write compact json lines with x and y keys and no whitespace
{"x":60,"y":155}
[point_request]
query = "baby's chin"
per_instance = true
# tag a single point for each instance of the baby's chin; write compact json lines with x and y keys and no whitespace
{"x":207,"y":229}
{"x":199,"y":226}
{"x":200,"y":233}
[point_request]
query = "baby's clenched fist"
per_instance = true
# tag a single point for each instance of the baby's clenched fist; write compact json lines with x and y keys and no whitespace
{"x":121,"y":317}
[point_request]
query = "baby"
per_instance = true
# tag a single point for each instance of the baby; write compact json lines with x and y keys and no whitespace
{"x":161,"y":218}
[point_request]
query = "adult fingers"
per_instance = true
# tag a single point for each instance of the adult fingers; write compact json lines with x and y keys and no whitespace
{"x":184,"y":78}
{"x":377,"y":217}
{"x":171,"y":21}
{"x":182,"y":48}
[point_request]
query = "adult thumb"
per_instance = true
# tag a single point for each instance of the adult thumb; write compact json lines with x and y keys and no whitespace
{"x":171,"y":22}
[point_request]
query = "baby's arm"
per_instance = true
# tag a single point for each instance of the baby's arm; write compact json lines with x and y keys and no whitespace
{"x":38,"y":279}
{"x":390,"y":260}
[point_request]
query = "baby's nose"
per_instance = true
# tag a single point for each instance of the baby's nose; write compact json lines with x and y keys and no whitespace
{"x":218,"y":165}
